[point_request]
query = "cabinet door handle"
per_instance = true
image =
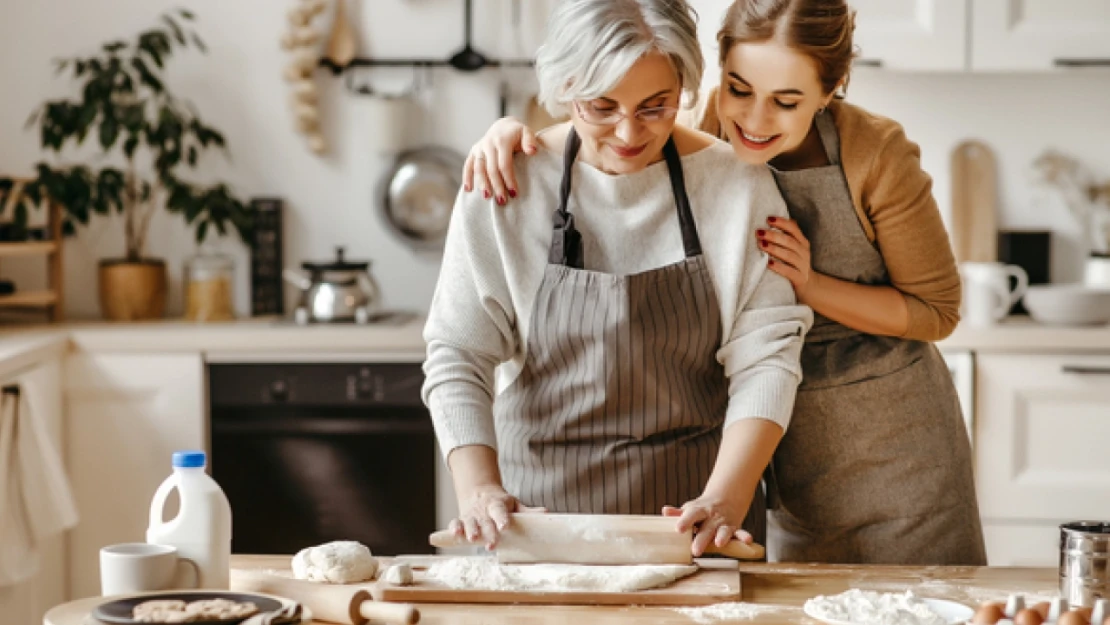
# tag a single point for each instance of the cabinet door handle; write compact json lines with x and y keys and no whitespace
{"x":868,"y":62}
{"x":1084,"y":370}
{"x":1082,"y":62}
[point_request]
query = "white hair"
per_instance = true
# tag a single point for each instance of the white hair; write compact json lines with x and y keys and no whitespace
{"x":592,"y":44}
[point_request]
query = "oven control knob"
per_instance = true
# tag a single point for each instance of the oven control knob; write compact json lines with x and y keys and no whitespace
{"x":279,"y":390}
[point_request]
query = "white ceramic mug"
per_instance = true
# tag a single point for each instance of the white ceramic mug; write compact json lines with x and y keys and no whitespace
{"x":987,"y":293}
{"x":1096,"y":273}
{"x":140,"y":567}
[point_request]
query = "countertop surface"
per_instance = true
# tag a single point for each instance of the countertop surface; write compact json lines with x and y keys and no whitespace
{"x":772,"y":593}
{"x":400,"y":338}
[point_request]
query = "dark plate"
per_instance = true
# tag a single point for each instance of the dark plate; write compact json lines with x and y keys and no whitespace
{"x":119,"y":611}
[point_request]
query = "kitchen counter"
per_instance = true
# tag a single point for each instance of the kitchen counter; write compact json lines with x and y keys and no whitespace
{"x":1022,"y":334}
{"x":774,"y":592}
{"x":256,"y":337}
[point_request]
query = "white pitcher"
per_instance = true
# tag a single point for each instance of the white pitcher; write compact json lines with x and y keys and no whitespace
{"x":987,"y":291}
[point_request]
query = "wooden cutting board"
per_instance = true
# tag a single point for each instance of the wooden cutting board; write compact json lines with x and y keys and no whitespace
{"x":718,"y":580}
{"x":974,"y":203}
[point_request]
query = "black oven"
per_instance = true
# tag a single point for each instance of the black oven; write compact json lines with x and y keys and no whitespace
{"x":314,"y":452}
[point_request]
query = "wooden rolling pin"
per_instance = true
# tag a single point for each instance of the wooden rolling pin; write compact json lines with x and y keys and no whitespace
{"x":598,"y":539}
{"x":348,"y":605}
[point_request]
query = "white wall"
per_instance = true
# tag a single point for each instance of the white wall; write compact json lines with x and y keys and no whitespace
{"x":332,"y":201}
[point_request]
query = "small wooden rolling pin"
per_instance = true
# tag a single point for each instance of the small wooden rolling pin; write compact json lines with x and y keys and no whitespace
{"x":348,"y":605}
{"x":598,"y":539}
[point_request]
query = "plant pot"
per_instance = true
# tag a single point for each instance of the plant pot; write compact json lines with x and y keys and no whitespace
{"x":132,"y":291}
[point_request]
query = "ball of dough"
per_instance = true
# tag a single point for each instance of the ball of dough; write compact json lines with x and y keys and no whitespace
{"x":338,"y":562}
{"x":398,"y":575}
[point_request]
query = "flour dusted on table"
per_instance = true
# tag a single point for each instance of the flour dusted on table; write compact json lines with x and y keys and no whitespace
{"x":730,"y":611}
{"x":864,"y":607}
{"x":483,"y":573}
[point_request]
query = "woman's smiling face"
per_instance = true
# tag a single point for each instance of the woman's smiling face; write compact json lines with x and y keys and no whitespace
{"x":769,"y":94}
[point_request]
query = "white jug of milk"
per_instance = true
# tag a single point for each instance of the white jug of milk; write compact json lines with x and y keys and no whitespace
{"x":201,"y":531}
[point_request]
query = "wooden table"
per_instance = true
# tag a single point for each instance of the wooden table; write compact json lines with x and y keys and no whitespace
{"x":777,"y":592}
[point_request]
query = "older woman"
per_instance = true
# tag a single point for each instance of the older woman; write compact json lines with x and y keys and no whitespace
{"x":643,"y":359}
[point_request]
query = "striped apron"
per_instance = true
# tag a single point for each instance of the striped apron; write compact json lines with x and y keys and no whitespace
{"x":876,"y":465}
{"x":620,"y":403}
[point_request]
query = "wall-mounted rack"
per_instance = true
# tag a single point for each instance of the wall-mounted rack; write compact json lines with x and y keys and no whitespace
{"x":467,"y":59}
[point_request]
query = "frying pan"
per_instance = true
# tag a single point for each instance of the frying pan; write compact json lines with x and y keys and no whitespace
{"x":418,"y":194}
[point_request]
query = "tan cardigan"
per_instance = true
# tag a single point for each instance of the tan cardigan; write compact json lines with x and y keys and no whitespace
{"x":894,"y":200}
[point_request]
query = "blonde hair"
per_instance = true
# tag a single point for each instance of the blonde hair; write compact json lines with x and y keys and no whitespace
{"x":820,"y":29}
{"x":592,"y":44}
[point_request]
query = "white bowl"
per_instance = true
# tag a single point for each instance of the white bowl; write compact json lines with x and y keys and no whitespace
{"x":1068,"y":304}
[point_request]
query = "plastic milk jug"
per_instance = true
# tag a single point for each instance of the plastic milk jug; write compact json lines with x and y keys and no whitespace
{"x":201,"y":531}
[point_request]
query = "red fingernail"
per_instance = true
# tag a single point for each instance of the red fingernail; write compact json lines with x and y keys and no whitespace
{"x":512,"y":192}
{"x":501,"y":200}
{"x":466,"y":187}
{"x":770,"y":261}
{"x":485,"y":194}
{"x":760,"y":233}
{"x":763,"y":243}
{"x":771,"y":220}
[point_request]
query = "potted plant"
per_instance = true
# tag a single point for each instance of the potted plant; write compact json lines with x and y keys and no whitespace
{"x":148,"y":137}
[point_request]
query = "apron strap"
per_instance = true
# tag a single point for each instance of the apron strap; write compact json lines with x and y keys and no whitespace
{"x":566,"y":241}
{"x":830,"y":138}
{"x":690,"y":240}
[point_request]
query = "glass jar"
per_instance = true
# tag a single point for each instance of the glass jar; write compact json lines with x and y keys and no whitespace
{"x":209,"y":295}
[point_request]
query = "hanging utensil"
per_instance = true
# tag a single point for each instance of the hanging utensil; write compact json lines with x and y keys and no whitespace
{"x":341,"y":42}
{"x":468,"y":59}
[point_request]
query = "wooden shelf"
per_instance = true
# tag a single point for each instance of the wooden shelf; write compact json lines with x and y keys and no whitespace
{"x":27,"y":248}
{"x":29,"y":299}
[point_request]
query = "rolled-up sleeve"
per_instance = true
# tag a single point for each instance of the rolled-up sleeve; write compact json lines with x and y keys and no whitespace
{"x":761,"y":355}
{"x":469,"y":330}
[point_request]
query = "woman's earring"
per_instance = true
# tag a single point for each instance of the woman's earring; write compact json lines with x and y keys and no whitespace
{"x":821,"y":110}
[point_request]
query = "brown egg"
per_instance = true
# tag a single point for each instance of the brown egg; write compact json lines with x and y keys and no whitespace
{"x":1042,"y":608}
{"x":988,"y":614}
{"x":1072,"y":618}
{"x":1028,"y":617}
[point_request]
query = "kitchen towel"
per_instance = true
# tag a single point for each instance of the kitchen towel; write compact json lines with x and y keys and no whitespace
{"x":36,"y":501}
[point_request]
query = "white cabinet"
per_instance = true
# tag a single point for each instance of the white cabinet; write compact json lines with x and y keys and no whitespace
{"x":1042,"y":438}
{"x":126,"y":415}
{"x":926,"y":35}
{"x":1039,"y":35}
{"x":982,"y":35}
{"x":27,"y":601}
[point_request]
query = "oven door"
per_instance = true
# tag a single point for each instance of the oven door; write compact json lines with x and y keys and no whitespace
{"x":299,"y":475}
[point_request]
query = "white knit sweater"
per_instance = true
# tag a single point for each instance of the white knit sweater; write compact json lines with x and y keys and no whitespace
{"x":478,"y":326}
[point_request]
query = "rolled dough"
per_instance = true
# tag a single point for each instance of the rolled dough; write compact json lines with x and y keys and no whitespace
{"x":482,"y":573}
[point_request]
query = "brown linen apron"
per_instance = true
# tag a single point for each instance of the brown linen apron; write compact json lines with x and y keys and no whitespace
{"x":619,"y":406}
{"x":876,"y":464}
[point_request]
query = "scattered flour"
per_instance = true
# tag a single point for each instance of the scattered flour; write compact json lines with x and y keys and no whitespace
{"x":483,"y":573}
{"x":729,"y":611}
{"x":864,"y":607}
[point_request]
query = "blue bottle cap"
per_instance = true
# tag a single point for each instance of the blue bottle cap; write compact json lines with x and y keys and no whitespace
{"x":188,"y":459}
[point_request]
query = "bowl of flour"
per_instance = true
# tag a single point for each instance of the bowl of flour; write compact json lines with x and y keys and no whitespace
{"x":864,"y":607}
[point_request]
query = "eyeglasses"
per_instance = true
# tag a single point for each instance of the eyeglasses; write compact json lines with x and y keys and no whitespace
{"x":611,"y":117}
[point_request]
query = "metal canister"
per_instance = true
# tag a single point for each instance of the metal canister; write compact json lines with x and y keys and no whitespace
{"x":1085,"y":562}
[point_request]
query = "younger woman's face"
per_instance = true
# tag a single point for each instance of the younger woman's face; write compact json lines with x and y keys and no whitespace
{"x":769,"y":94}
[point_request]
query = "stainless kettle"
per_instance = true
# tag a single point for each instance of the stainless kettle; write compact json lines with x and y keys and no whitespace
{"x":340,"y":290}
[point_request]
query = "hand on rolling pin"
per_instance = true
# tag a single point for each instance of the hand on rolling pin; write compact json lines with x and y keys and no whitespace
{"x":713,"y":519}
{"x":484,"y":512}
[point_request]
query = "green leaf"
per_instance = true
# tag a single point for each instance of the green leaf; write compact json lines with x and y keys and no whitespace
{"x":109,"y":132}
{"x":115,"y":46}
{"x":199,"y":43}
{"x":60,"y":66}
{"x":146,"y":76}
{"x":202,"y":231}
{"x":178,"y":34}
{"x":187,"y":14}
{"x":79,"y":68}
{"x":192,"y":156}
{"x":130,"y":145}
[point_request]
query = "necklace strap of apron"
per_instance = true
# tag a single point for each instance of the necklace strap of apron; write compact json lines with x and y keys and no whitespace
{"x":830,"y":138}
{"x":566,"y":241}
{"x":690,"y":240}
